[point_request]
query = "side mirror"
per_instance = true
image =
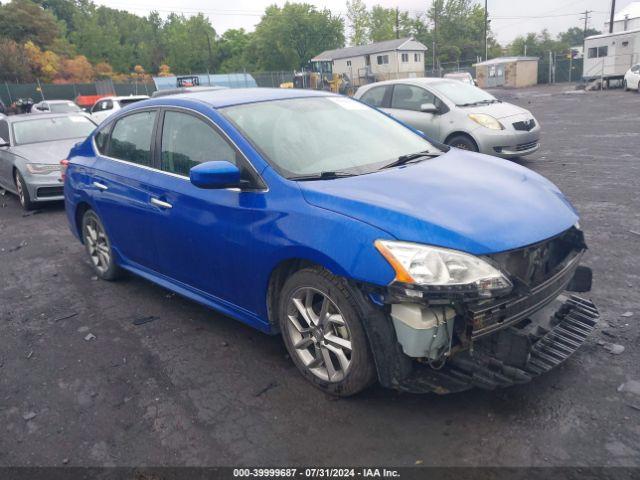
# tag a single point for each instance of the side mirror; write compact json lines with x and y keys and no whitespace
{"x":218,"y":174}
{"x":429,"y":108}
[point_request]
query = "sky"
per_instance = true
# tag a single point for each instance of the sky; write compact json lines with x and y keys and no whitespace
{"x":509,"y":18}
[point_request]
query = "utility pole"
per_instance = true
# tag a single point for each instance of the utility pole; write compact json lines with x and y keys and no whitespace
{"x":586,"y":22}
{"x":486,"y":20}
{"x":397,"y":23}
{"x":613,"y":11}
{"x":435,"y":36}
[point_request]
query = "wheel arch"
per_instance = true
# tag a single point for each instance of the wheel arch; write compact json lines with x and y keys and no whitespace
{"x":81,"y":209}
{"x":461,"y":133}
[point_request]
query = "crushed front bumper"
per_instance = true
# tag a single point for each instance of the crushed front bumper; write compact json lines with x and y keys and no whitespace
{"x":514,"y":355}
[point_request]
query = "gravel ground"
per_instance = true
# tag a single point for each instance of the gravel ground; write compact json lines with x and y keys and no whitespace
{"x":191,"y":387}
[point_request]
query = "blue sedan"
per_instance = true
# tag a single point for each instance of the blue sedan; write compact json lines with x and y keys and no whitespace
{"x":376,"y":253}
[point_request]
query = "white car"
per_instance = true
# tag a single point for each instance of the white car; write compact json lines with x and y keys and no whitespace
{"x":632,"y":78}
{"x":464,"y":77}
{"x":56,"y":106}
{"x":107,"y":106}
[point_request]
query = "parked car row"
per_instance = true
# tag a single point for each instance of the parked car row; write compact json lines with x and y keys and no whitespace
{"x":375,"y":249}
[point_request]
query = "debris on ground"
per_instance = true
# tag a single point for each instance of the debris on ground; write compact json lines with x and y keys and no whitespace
{"x":627,"y":314}
{"x":225,"y":344}
{"x":18,"y":247}
{"x":29,"y":416}
{"x":65,"y":317}
{"x":30,"y":354}
{"x":634,"y":232}
{"x":143,"y":320}
{"x":632,"y":386}
{"x":89,"y":337}
{"x":31,"y":212}
{"x":613,"y":348}
{"x":94,"y":278}
{"x":65,"y":461}
{"x":266,"y":389}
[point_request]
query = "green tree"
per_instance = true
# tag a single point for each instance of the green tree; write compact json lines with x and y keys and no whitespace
{"x":14,"y":65}
{"x":24,"y":20}
{"x":575,"y":36}
{"x":232,"y":49}
{"x":287,"y":38}
{"x":189,"y":44}
{"x":358,"y":22}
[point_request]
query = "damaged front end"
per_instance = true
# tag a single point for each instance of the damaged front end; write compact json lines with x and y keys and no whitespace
{"x":520,"y":320}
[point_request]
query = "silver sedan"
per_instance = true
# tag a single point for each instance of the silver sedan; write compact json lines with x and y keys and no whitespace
{"x":457,"y":114}
{"x":31,"y":148}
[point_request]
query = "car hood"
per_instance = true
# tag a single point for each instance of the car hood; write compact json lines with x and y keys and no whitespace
{"x":46,"y":152}
{"x":460,"y":200}
{"x":498,"y":110}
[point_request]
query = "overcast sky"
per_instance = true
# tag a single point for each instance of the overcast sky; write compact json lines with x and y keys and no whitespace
{"x":509,"y":18}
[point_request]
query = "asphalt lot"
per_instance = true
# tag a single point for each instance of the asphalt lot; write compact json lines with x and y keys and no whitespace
{"x":191,"y":387}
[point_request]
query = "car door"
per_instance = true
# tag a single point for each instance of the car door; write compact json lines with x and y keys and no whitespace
{"x":406,"y":102}
{"x":6,"y":160}
{"x":203,"y":237}
{"x":119,"y":187}
{"x":101,"y":110}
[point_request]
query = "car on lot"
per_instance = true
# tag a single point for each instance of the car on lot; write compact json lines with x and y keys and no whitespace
{"x":55,"y":106}
{"x":460,"y":115}
{"x":464,"y":77}
{"x":107,"y":106}
{"x":31,"y":147}
{"x":178,"y":90}
{"x":632,"y":78}
{"x":372,"y":251}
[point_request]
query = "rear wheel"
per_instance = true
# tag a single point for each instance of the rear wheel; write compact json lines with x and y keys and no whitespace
{"x":98,"y":246}
{"x":323,"y":333}
{"x":625,"y":87}
{"x":23,"y":192}
{"x":463,"y":142}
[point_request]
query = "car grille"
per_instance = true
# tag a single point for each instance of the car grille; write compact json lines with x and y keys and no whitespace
{"x":525,"y":125}
{"x":48,"y":192}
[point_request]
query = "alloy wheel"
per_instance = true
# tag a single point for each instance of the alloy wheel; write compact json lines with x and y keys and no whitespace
{"x":97,"y":245}
{"x":319,"y":334}
{"x":20,"y":189}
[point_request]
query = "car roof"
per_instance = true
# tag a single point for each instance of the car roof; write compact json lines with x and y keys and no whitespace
{"x":239,"y":96}
{"x":39,"y":116}
{"x":124,"y":97}
{"x":421,"y":81}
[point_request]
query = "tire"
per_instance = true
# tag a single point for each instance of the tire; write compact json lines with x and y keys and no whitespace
{"x":23,"y":192}
{"x":625,"y":87}
{"x":98,"y":246}
{"x":464,"y":142}
{"x":330,"y":324}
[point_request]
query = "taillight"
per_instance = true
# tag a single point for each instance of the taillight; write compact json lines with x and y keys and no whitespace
{"x":64,"y":164}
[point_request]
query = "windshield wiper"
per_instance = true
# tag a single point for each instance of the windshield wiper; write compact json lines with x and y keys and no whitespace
{"x":404,"y":159}
{"x":479,"y":102}
{"x":328,"y":175}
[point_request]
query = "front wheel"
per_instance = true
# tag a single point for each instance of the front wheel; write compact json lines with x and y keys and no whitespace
{"x":98,"y":246}
{"x":463,"y":142}
{"x":323,"y":332}
{"x":23,"y":192}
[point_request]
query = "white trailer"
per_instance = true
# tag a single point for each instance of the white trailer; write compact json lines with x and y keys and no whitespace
{"x":610,"y":55}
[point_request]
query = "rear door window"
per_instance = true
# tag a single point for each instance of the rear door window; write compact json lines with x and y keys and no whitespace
{"x":375,"y":96}
{"x":131,"y":138}
{"x":4,"y":130}
{"x":188,"y":141}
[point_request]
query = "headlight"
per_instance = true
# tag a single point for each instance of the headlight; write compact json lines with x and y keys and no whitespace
{"x":486,"y":121}
{"x":441,"y":269}
{"x":42,"y":169}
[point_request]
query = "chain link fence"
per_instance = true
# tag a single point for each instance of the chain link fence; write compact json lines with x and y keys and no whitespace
{"x":10,"y":92}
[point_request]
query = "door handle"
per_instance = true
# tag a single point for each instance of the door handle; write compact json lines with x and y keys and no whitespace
{"x":160,"y":203}
{"x":100,"y":186}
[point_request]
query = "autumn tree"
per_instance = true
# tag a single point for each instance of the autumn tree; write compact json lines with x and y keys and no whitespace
{"x":164,"y":70}
{"x":24,"y":20}
{"x":358,"y":17}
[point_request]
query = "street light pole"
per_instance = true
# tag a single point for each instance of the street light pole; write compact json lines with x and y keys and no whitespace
{"x":486,"y":17}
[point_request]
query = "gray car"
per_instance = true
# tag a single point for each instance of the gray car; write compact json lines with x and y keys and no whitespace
{"x":457,"y":114}
{"x":31,"y":148}
{"x":55,"y":106}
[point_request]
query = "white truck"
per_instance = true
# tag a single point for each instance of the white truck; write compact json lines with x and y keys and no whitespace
{"x":608,"y":56}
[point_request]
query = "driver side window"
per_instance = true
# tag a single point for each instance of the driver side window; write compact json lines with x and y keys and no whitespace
{"x":409,"y":97}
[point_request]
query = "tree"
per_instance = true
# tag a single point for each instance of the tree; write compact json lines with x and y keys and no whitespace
{"x":23,"y":20}
{"x":575,"y":36}
{"x":45,"y":65}
{"x":232,"y":49}
{"x":164,"y":71}
{"x":13,"y":63}
{"x":382,"y":23}
{"x":104,"y":70}
{"x":287,"y":38}
{"x":76,"y":70}
{"x":358,"y":22}
{"x":189,"y":43}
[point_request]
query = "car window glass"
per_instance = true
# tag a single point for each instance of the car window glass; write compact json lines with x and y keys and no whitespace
{"x":4,"y":130}
{"x":408,"y":97}
{"x":101,"y":140}
{"x":188,"y":141}
{"x":37,"y":129}
{"x":131,"y":138}
{"x":374,"y":97}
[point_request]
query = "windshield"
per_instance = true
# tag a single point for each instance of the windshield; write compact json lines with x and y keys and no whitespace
{"x":51,"y":129}
{"x":64,"y":107}
{"x":309,"y":136}
{"x":463,"y":93}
